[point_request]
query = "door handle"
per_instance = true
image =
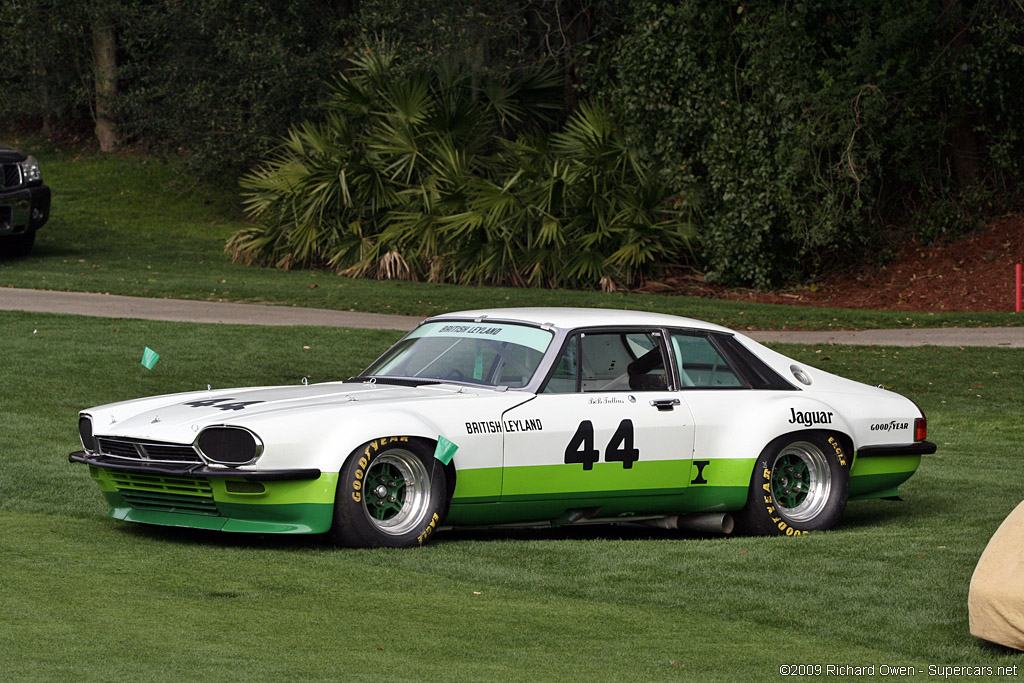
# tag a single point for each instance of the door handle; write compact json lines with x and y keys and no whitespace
{"x":665,"y":403}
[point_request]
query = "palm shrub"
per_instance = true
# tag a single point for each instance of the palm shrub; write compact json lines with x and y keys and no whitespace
{"x":329,"y":190}
{"x":420,"y":173}
{"x":576,"y":208}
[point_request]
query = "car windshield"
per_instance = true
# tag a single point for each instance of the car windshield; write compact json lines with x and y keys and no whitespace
{"x":493,"y":354}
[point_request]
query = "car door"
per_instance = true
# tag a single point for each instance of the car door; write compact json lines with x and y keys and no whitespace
{"x":728,"y":391}
{"x":607,"y":430}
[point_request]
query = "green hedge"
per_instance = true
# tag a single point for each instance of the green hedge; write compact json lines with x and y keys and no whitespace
{"x":816,"y":134}
{"x":814,"y":126}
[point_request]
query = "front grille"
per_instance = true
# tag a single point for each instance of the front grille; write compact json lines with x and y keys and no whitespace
{"x":12,"y":175}
{"x":168,"y":494}
{"x":147,"y":451}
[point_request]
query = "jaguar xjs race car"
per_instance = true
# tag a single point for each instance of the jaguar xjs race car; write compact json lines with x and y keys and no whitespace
{"x":516,"y":416}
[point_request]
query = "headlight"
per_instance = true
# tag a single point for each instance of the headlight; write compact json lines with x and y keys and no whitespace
{"x":85,"y":433}
{"x":231,"y":446}
{"x":30,"y":172}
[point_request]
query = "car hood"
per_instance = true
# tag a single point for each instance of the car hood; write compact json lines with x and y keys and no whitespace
{"x":8,"y":155}
{"x":178,"y":417}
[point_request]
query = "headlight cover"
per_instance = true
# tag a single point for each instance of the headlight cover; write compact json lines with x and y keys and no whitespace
{"x":85,"y":434}
{"x":231,"y":446}
{"x":30,"y":172}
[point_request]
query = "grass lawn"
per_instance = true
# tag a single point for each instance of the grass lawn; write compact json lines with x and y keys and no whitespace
{"x":85,"y":597}
{"x":131,"y":226}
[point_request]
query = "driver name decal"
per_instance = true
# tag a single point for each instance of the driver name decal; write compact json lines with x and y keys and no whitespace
{"x":810,"y":417}
{"x":497,"y":426}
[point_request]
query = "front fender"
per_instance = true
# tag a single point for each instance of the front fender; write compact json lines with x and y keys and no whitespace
{"x":324,"y":439}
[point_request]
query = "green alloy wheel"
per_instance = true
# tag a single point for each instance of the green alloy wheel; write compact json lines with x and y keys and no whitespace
{"x":800,"y":484}
{"x":396,"y":492}
{"x":390,"y":494}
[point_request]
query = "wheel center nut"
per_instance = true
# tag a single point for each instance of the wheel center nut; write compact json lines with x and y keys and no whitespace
{"x":381,"y":491}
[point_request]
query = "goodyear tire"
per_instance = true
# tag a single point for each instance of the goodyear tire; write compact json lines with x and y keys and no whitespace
{"x":800,"y":484}
{"x":391,"y":494}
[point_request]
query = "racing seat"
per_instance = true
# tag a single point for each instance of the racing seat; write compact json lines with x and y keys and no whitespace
{"x":640,"y":377}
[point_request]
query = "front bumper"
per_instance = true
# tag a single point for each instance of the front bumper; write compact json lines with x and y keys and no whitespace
{"x":24,"y":210}
{"x":200,"y":497}
{"x":190,"y":470}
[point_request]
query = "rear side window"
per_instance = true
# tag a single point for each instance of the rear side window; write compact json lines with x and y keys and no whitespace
{"x":701,"y":365}
{"x":754,"y":370}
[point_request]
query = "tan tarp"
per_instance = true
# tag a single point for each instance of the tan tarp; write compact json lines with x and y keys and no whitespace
{"x":995,"y":602}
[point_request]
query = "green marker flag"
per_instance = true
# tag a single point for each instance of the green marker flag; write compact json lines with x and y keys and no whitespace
{"x":149,"y":358}
{"x":445,"y":450}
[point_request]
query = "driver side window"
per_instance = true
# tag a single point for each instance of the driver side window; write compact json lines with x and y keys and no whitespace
{"x":610,"y":361}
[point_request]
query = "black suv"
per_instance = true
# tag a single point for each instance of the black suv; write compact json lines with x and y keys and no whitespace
{"x":24,"y":202}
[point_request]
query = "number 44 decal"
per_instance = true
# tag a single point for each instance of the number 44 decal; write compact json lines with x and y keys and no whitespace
{"x":620,"y":449}
{"x":223,"y":403}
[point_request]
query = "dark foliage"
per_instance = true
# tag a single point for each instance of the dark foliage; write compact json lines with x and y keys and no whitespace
{"x":814,"y":126}
{"x":817,"y":133}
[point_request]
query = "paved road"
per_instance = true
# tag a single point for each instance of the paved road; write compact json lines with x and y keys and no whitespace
{"x":114,"y":306}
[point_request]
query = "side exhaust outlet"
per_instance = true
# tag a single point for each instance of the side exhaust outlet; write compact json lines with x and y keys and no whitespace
{"x":709,"y":523}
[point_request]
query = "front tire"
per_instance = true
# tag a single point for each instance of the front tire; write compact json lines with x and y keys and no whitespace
{"x":800,"y":484}
{"x":17,"y":246}
{"x":391,"y":494}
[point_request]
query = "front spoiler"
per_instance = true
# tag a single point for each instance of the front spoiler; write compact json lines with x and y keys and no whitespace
{"x":194,"y":470}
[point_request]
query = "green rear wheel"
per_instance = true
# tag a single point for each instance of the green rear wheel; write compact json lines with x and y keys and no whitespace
{"x":800,"y":484}
{"x":801,"y":481}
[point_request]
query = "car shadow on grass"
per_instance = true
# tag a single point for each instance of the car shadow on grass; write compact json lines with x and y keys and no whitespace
{"x":858,"y":515}
{"x":583,"y":532}
{"x":203,"y":537}
{"x":883,"y":512}
{"x":319,"y":542}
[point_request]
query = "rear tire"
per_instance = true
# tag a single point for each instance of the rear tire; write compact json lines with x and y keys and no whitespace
{"x":800,"y":484}
{"x":391,"y":494}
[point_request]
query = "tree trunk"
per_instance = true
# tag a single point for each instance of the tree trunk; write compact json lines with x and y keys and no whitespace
{"x":346,"y":8}
{"x":966,"y":148}
{"x":575,"y":23}
{"x":104,"y":59}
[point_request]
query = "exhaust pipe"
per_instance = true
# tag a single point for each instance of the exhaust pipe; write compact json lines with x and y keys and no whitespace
{"x":708,"y":523}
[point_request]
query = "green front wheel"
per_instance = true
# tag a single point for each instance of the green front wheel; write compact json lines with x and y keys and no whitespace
{"x":391,"y":494}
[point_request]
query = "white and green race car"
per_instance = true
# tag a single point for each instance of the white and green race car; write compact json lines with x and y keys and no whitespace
{"x":516,"y":416}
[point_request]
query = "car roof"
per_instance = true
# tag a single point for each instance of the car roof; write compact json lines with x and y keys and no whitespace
{"x":571,"y":318}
